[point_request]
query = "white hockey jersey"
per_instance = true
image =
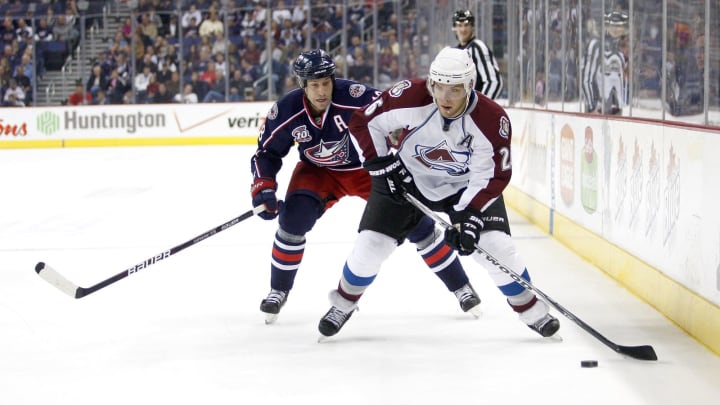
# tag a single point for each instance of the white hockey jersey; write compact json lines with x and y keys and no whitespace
{"x":470,"y":153}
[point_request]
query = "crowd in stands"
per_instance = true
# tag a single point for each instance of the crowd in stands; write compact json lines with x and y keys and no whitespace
{"x":176,"y":51}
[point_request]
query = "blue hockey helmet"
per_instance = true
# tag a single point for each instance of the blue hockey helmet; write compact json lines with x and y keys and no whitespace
{"x":314,"y":64}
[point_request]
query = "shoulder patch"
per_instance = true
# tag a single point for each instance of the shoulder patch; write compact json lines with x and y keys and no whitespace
{"x":398,"y":88}
{"x":357,"y":90}
{"x":272,"y":114}
{"x":504,"y":127}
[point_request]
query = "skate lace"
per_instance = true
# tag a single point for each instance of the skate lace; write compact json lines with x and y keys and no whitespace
{"x":275,"y":296}
{"x":540,"y":324}
{"x":336,"y":316}
{"x":463,"y":293}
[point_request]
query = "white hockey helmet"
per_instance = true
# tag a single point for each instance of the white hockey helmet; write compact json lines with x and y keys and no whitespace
{"x":452,"y":66}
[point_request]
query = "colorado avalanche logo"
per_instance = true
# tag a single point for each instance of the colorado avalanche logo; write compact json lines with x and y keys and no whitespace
{"x":301,"y":134}
{"x":272,"y":114}
{"x":357,"y":90}
{"x":330,"y":153}
{"x":504,"y":127}
{"x":441,"y":157}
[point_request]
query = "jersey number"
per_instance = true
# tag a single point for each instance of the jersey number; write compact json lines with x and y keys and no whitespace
{"x":506,"y":164}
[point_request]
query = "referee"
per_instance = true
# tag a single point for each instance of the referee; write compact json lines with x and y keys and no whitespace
{"x":488,"y":80}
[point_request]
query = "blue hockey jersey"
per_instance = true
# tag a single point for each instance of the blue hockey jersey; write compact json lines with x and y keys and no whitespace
{"x":322,"y":141}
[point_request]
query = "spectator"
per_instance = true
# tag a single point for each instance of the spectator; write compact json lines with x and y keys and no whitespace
{"x":237,"y":86}
{"x":7,"y":30}
{"x":64,"y":31}
{"x":79,"y":96}
{"x":165,"y":72}
{"x":97,"y":81}
{"x":23,"y":30}
{"x":162,"y":96}
{"x":141,"y":83}
{"x":200,"y":87}
{"x":189,"y":15}
{"x":173,"y":85}
{"x":43,"y":31}
{"x":172,"y":30}
{"x":117,"y":87}
{"x":211,"y":27}
{"x":14,"y":95}
{"x":251,"y":53}
{"x":27,"y":65}
{"x":148,"y":28}
{"x":191,"y":31}
{"x":217,"y":91}
{"x":100,"y":98}
{"x":24,"y":82}
{"x":187,"y":96}
{"x":360,"y":71}
{"x":219,"y":45}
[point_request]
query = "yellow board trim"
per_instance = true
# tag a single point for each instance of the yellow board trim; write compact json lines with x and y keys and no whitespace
{"x":694,"y":314}
{"x":91,"y":143}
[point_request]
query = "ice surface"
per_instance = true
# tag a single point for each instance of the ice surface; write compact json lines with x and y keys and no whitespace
{"x":188,"y":330}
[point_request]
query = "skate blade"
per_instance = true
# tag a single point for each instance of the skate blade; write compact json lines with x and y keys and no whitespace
{"x":270,"y":318}
{"x":476,"y":311}
{"x":554,"y":338}
{"x":322,"y":338}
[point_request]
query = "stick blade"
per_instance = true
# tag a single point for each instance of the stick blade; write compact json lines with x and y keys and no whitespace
{"x":638,"y":352}
{"x":53,"y":277}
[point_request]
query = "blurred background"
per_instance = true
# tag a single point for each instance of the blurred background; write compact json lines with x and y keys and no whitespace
{"x":59,"y":52}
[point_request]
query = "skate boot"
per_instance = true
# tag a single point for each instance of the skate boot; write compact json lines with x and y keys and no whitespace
{"x":272,"y":303}
{"x":341,"y":310}
{"x":469,"y":300}
{"x":538,"y":318}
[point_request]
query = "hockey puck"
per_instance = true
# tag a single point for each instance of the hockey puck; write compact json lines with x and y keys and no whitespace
{"x":588,"y":363}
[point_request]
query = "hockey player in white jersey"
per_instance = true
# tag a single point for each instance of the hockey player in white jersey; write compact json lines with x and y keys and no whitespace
{"x":449,"y":146}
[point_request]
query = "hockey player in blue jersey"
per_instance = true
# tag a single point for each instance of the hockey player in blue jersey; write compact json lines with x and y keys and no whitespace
{"x":314,"y":117}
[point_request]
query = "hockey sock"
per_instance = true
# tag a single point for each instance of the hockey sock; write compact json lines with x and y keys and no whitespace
{"x":287,"y":253}
{"x":444,"y":262}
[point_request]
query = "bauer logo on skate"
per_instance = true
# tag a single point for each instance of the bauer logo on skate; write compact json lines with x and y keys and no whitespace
{"x":148,"y":262}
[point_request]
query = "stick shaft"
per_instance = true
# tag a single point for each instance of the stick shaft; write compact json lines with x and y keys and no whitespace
{"x":637,"y":352}
{"x":54,"y":277}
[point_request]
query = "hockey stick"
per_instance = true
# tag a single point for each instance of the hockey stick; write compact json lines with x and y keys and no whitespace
{"x":53,"y":277}
{"x":637,"y":352}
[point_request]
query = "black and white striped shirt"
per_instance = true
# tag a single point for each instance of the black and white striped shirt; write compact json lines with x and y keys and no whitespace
{"x":489,"y":82}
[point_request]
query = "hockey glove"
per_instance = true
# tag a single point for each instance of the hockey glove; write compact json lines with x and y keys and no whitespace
{"x":465,"y":233}
{"x":390,"y":177}
{"x":263,"y":193}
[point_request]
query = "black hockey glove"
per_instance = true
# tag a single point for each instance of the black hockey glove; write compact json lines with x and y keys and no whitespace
{"x":390,"y":177}
{"x":465,"y":233}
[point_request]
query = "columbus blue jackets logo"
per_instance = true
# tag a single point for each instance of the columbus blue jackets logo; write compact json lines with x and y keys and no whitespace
{"x":301,"y":134}
{"x":272,"y":114}
{"x":357,"y":90}
{"x":330,"y":153}
{"x":441,"y":157}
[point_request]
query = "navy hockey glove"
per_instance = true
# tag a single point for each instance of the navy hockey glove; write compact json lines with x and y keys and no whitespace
{"x":390,"y":177}
{"x":263,"y":193}
{"x":465,"y":233}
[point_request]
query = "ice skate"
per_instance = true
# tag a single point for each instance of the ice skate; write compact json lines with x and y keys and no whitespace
{"x":538,"y":318}
{"x":272,"y":304}
{"x":341,"y":310}
{"x":469,"y":300}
